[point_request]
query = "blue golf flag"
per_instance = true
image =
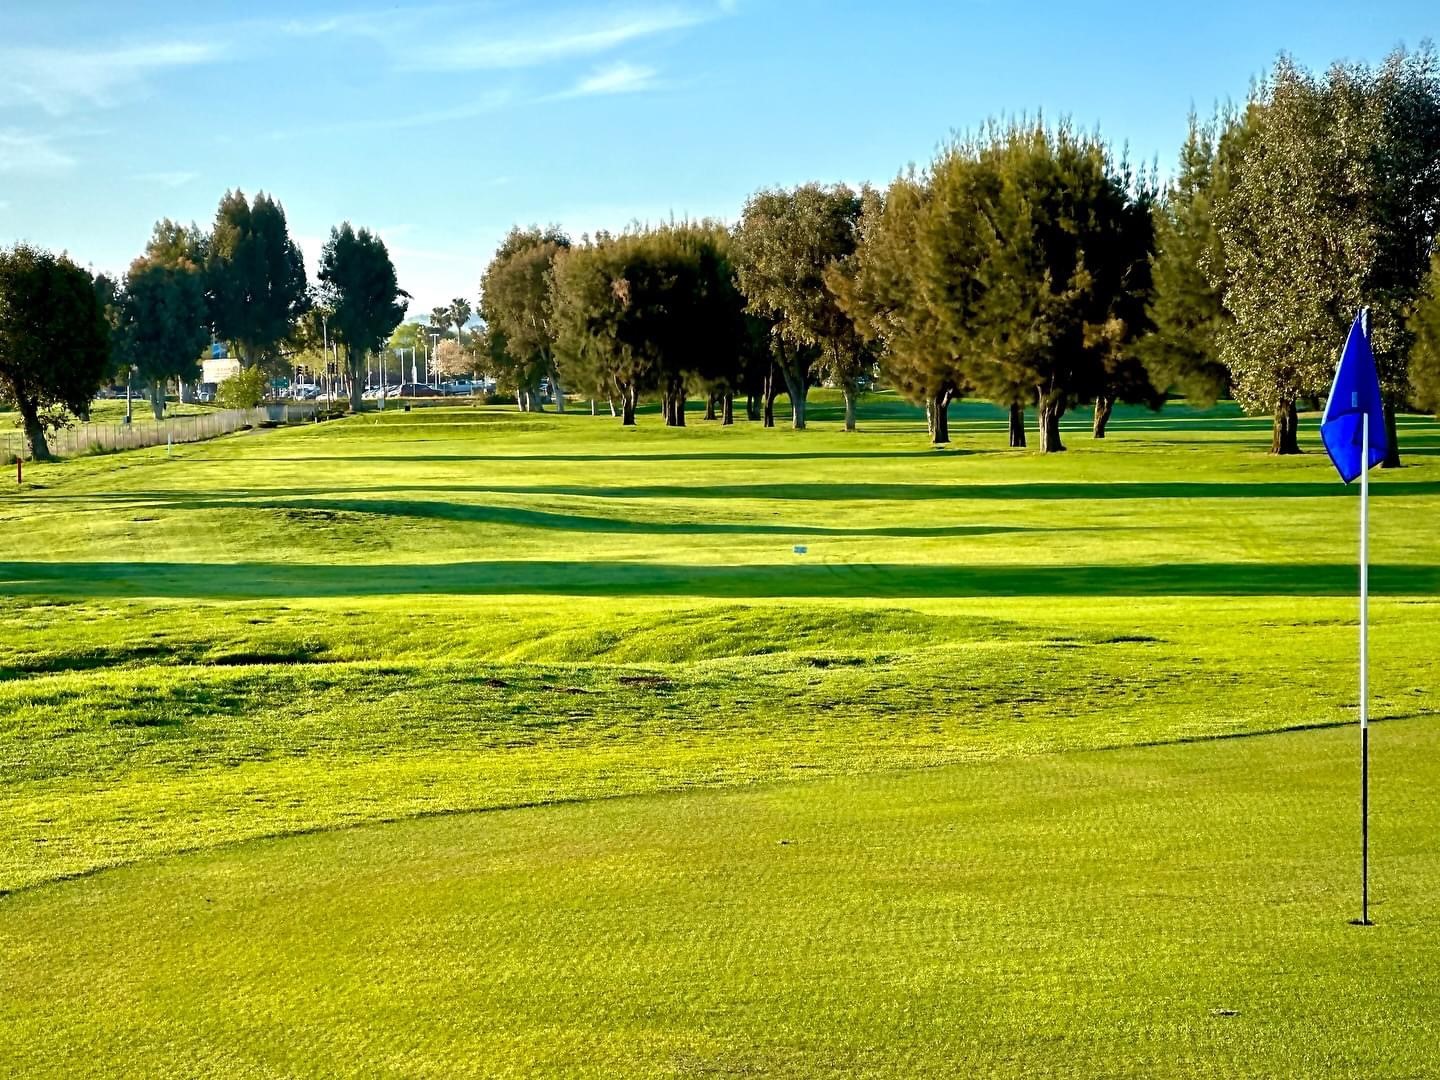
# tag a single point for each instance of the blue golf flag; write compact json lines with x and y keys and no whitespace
{"x":1354,"y":394}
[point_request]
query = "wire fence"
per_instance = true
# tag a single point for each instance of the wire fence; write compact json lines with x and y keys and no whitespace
{"x":107,"y":438}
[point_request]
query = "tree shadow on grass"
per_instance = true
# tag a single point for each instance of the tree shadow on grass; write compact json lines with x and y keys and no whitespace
{"x":802,"y":577}
{"x":708,"y":456}
{"x":526,"y":517}
{"x":1323,"y":487}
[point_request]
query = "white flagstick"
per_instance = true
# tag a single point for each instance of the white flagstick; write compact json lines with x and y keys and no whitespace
{"x":1364,"y":668}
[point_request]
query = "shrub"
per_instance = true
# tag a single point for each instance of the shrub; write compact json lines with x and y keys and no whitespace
{"x":243,"y":390}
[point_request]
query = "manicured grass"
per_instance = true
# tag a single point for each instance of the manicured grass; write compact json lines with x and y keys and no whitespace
{"x":468,"y":608}
{"x":1170,"y":911}
{"x":464,"y":609}
{"x":112,"y":411}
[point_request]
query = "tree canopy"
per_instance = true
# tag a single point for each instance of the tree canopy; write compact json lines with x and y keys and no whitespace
{"x":1424,"y":327}
{"x":1017,"y":266}
{"x":647,"y":310}
{"x":515,"y":301}
{"x":1188,"y":309}
{"x":163,"y":312}
{"x":358,"y":283}
{"x":1335,"y":208}
{"x":789,"y":247}
{"x":54,"y":340}
{"x":256,"y":277}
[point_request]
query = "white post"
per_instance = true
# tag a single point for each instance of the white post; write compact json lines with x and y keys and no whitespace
{"x":1364,"y":567}
{"x":1364,"y":668}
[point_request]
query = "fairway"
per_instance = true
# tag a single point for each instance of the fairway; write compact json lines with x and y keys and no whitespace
{"x":459,"y":741}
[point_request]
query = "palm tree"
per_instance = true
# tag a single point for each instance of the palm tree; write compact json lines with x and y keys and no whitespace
{"x":460,"y":315}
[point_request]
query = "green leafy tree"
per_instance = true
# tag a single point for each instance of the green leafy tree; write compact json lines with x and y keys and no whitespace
{"x":256,"y":278}
{"x":1122,"y":270}
{"x":243,"y":390}
{"x":163,"y":310}
{"x":699,"y":312}
{"x":515,"y":299}
{"x":1335,"y":209}
{"x":647,"y":311}
{"x":358,"y":283}
{"x":54,"y":341}
{"x":786,"y":244}
{"x":885,"y":290}
{"x":1424,"y":326}
{"x":589,"y":308}
{"x":1032,"y":263}
{"x":111,"y":296}
{"x":1063,"y":276}
{"x":409,"y":341}
{"x":1188,"y":267}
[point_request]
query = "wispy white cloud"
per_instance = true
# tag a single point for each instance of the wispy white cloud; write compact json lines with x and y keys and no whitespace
{"x":28,"y":154}
{"x":175,"y":179}
{"x":621,"y":78}
{"x":380,"y":24}
{"x":60,"y":80}
{"x":487,"y":103}
{"x":554,"y":38}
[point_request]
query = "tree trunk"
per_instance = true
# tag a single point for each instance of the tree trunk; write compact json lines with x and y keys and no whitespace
{"x":157,"y":398}
{"x":592,"y":407}
{"x":771,"y":391}
{"x":752,"y":406}
{"x":1050,"y":411}
{"x":36,"y":445}
{"x":940,"y":407}
{"x":679,"y":408}
{"x":709,"y":406}
{"x":727,"y":410}
{"x":355,"y":391}
{"x":557,"y":391}
{"x":627,"y":404}
{"x":532,"y":400}
{"x":1104,"y":404}
{"x":1285,"y":435}
{"x":611,"y":402}
{"x":1392,"y":440}
{"x":930,"y":417}
{"x":849,"y":392}
{"x":1017,"y":425}
{"x":795,"y":389}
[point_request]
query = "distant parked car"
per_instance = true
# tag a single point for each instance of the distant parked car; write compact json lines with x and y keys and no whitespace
{"x":456,"y":387}
{"x":415,"y":390}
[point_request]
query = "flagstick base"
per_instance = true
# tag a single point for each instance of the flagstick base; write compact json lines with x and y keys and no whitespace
{"x":1361,"y":922}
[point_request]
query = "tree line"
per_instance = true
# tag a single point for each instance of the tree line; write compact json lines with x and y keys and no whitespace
{"x":1024,"y":264}
{"x":64,"y":333}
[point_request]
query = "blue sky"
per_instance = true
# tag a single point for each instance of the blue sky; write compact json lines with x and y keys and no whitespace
{"x":440,"y":125}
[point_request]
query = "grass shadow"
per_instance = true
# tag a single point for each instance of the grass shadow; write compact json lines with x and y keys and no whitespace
{"x":798,"y":578}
